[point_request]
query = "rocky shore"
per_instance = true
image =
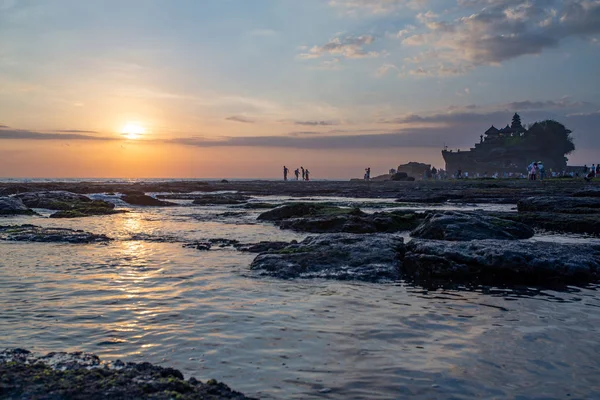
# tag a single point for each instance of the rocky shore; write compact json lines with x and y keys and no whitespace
{"x":24,"y":375}
{"x":451,"y":246}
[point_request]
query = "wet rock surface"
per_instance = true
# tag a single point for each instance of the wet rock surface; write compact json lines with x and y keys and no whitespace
{"x":341,"y":256}
{"x":32,"y":233}
{"x":69,"y":205}
{"x":24,"y":375}
{"x":220,"y":199}
{"x":260,"y":247}
{"x":501,"y":262}
{"x":457,"y":226}
{"x":560,"y":204}
{"x":557,"y":222}
{"x":324,"y":218}
{"x":13,"y":206}
{"x":140,"y":199}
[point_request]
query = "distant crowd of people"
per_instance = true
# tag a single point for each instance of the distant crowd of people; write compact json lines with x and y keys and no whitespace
{"x":305,"y":173}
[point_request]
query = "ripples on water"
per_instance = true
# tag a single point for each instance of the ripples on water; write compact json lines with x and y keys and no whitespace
{"x":201,"y":312}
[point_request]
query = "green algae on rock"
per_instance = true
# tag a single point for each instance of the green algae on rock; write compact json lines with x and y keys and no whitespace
{"x":83,"y":376}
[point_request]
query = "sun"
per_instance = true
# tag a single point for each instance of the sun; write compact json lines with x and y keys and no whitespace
{"x":133,"y":131}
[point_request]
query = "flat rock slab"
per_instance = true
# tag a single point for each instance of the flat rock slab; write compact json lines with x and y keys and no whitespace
{"x":220,"y":199}
{"x":24,"y":375}
{"x":13,"y":206}
{"x":557,"y":222}
{"x":501,"y":262}
{"x":457,"y":226}
{"x":53,"y":199}
{"x":341,"y":256}
{"x":560,"y":204}
{"x":138,"y":199}
{"x":325,"y":218}
{"x":32,"y":233}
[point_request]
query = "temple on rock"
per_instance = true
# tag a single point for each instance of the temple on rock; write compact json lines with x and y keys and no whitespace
{"x":509,"y":149}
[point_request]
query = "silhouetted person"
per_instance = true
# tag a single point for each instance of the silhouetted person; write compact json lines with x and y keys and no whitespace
{"x":297,"y":173}
{"x":367,"y":174}
{"x":307,"y":174}
{"x":459,"y":174}
{"x":303,"y":173}
{"x":285,"y":172}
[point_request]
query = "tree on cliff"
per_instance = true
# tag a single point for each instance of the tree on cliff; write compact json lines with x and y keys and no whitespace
{"x":551,"y":137}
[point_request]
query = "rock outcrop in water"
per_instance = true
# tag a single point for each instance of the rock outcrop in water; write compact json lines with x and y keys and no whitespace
{"x":13,"y":206}
{"x":32,"y":233}
{"x":220,"y":199}
{"x":341,"y":256}
{"x":560,"y":204}
{"x":457,"y":226}
{"x":142,"y":199}
{"x":83,"y":376}
{"x":501,"y":262}
{"x":324,"y":218}
{"x":69,"y":205}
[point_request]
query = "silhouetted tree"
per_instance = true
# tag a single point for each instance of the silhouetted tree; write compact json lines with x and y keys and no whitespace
{"x":552,"y":137}
{"x":516,"y":123}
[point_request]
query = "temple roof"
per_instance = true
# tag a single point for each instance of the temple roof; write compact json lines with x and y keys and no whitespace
{"x":492,"y":130}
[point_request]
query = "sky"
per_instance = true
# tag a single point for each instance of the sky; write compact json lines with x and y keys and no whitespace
{"x":239,"y":88}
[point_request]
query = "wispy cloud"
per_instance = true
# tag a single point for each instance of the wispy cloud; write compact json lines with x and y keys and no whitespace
{"x":18,"y":134}
{"x":244,"y":120}
{"x":315,"y":123}
{"x":348,"y":47}
{"x":73,"y":131}
{"x":355,"y":7}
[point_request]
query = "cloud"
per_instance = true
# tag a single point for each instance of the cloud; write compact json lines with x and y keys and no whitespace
{"x":348,"y":47}
{"x":498,"y":31}
{"x":354,"y":7}
{"x":384,"y":69}
{"x":564,"y":103}
{"x":16,"y":134}
{"x":303,"y":133}
{"x":3,"y":126}
{"x":240,"y":119}
{"x":315,"y":123}
{"x":73,"y":131}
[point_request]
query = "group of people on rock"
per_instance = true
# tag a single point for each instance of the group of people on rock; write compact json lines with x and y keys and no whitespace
{"x":534,"y":169}
{"x":305,"y":173}
{"x":591,"y":172}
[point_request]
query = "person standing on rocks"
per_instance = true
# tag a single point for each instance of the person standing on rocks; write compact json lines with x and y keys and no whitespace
{"x":303,"y":173}
{"x":307,"y":174}
{"x":297,"y":173}
{"x":533,"y":172}
{"x":285,"y":172}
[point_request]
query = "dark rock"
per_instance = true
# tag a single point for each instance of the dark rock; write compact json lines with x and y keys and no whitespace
{"x":458,"y":226}
{"x":54,"y":200}
{"x":224,"y":242}
{"x":342,"y":256}
{"x":202,"y":246}
{"x":401,"y":176}
{"x":557,"y":222}
{"x":263,"y":247}
{"x":145,"y":200}
{"x":257,"y":206}
{"x":590,"y":192}
{"x":296,"y":210}
{"x":32,"y":233}
{"x":70,"y":205}
{"x":220,"y":199}
{"x":13,"y":206}
{"x":324,"y":218}
{"x":501,"y":262}
{"x":560,"y":204}
{"x":84,"y":376}
{"x":224,"y":181}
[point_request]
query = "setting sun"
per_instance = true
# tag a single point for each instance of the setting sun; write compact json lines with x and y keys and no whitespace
{"x":133,"y":131}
